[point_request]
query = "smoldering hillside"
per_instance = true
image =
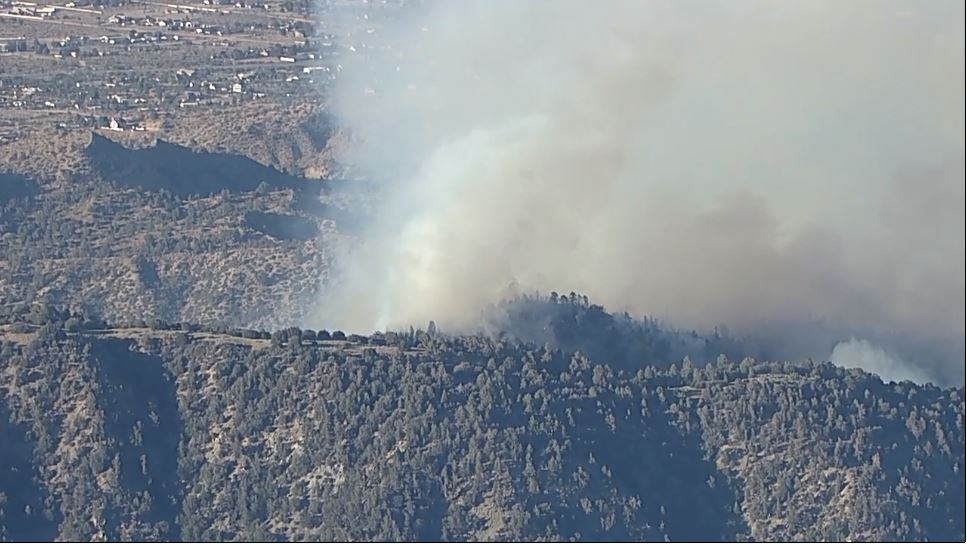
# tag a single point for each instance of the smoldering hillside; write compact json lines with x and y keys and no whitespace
{"x":706,"y":163}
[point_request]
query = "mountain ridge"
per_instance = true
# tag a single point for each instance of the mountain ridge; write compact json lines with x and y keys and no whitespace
{"x":417,"y":436}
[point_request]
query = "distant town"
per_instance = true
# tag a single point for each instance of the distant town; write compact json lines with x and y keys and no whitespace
{"x":140,"y":65}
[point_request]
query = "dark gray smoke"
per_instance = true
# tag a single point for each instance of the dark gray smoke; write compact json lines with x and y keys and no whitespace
{"x":709,"y":163}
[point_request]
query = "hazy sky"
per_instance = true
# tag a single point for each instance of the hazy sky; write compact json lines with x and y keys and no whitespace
{"x":704,"y":162}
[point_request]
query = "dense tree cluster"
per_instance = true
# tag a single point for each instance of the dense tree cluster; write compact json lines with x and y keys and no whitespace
{"x":571,"y":323}
{"x":179,"y":433}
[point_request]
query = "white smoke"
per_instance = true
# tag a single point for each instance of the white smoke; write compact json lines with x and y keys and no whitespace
{"x":863,"y":354}
{"x":704,"y":162}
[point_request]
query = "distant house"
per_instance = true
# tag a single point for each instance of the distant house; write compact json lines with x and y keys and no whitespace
{"x":11,"y":45}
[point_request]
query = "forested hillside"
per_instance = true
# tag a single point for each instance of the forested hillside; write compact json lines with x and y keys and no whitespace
{"x":179,"y":432}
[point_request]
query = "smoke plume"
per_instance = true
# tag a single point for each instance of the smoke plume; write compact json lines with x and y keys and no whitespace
{"x":739,"y":163}
{"x":862,"y":354}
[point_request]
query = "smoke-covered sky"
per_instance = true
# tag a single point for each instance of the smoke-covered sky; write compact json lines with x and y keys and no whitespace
{"x":708,"y":163}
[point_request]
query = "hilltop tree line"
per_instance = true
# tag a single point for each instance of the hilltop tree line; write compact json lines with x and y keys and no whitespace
{"x":182,"y":433}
